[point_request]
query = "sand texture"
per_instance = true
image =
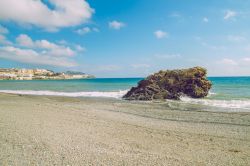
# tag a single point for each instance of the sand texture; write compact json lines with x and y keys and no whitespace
{"x":40,"y":130}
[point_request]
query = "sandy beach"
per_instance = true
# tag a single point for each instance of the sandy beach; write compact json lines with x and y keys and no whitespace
{"x":42,"y":130}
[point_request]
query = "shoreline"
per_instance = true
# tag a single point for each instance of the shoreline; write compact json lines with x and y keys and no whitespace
{"x":47,"y":79}
{"x":49,"y":130}
{"x":186,"y":103}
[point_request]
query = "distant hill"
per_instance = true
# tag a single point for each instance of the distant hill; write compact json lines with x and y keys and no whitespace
{"x":74,"y":73}
{"x":40,"y":74}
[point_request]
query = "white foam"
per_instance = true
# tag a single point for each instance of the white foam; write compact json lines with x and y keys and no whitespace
{"x":211,"y":93}
{"x":116,"y":94}
{"x":238,"y":104}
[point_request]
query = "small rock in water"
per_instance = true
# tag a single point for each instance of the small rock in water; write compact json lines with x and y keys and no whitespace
{"x":171,"y":84}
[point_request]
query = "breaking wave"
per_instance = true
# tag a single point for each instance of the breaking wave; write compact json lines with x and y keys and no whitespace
{"x":115,"y":94}
{"x":235,"y":104}
{"x":226,"y":104}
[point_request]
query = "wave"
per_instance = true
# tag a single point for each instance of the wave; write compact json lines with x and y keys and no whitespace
{"x":115,"y":94}
{"x":234,"y":104}
{"x":211,"y":94}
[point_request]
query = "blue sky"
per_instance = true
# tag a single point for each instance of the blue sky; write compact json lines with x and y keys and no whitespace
{"x":126,"y":38}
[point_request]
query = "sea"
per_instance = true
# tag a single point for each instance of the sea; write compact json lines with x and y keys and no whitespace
{"x":230,"y":94}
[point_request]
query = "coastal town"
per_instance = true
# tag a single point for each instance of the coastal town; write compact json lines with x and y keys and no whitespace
{"x":39,"y":74}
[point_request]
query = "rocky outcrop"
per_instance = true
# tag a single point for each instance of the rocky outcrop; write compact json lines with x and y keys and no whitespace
{"x":172,"y":84}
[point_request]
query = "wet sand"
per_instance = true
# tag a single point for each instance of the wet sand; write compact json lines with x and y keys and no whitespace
{"x":42,"y":130}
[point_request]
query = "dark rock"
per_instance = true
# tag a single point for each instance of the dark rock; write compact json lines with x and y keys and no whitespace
{"x":171,"y":84}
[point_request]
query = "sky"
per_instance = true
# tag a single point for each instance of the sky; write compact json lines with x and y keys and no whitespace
{"x":126,"y":38}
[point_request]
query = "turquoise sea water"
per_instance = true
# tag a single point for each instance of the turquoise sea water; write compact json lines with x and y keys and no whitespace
{"x":227,"y":92}
{"x":81,"y":85}
{"x":229,"y":88}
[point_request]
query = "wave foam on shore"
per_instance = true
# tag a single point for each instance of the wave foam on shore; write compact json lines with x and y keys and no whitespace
{"x":116,"y":94}
{"x":234,"y":104}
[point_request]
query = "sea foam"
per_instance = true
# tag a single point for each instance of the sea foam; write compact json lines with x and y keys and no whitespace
{"x":115,"y":94}
{"x":235,"y":104}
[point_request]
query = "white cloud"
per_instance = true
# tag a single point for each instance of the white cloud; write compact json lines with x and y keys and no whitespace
{"x":205,"y":19}
{"x":238,"y":62}
{"x":43,"y":52}
{"x":80,"y":48}
{"x":230,"y":14}
{"x":227,"y":61}
{"x":52,"y":48}
{"x":61,"y":51}
{"x":159,"y":34}
{"x":3,"y":30}
{"x":236,"y":38}
{"x":247,"y":59}
{"x":45,"y":44}
{"x":35,"y":12}
{"x":33,"y":57}
{"x":230,"y":67}
{"x":83,"y":31}
{"x":86,"y":30}
{"x":24,"y":40}
{"x":116,"y":25}
{"x":4,"y":41}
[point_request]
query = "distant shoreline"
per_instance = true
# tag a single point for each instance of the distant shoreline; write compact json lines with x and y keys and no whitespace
{"x":48,"y":79}
{"x":39,"y":74}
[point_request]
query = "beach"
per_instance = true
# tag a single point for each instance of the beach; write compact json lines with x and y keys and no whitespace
{"x":49,"y":130}
{"x":124,"y":83}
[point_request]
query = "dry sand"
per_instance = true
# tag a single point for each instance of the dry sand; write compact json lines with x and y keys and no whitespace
{"x":40,"y":130}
